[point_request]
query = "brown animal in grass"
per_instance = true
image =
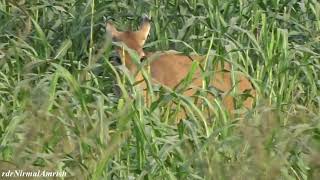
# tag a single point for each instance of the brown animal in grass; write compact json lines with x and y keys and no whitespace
{"x":169,"y":68}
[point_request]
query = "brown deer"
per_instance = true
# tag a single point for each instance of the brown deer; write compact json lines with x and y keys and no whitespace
{"x":169,"y":68}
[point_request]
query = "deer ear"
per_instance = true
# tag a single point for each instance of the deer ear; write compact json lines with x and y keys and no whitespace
{"x":111,"y":29}
{"x":144,"y":29}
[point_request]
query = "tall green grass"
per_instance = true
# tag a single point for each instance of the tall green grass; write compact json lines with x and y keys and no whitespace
{"x":59,"y":110}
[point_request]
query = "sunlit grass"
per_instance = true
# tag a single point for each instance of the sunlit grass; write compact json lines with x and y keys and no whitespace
{"x":61,"y":109}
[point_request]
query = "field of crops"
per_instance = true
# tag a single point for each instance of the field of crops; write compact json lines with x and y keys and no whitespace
{"x":59,"y":110}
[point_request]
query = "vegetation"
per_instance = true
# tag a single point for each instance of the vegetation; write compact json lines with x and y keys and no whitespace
{"x":58,"y":109}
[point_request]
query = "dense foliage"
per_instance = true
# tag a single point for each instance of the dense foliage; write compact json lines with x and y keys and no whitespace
{"x":58,"y":109}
